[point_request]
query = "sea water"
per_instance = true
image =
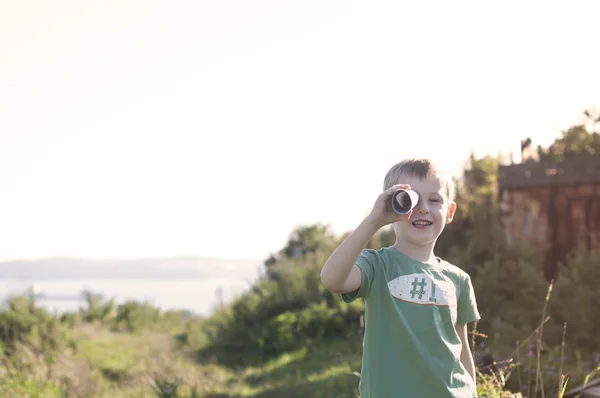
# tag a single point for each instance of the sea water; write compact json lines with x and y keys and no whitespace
{"x":199,"y":296}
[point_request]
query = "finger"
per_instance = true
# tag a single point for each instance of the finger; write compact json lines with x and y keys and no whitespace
{"x":390,"y":191}
{"x":398,"y":186}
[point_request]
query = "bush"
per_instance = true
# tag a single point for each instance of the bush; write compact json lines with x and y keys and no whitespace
{"x":278,"y":315}
{"x":134,"y":316}
{"x":576,"y":300}
{"x":510,"y":293}
{"x":98,"y":308}
{"x":293,"y":329}
{"x":32,"y":343}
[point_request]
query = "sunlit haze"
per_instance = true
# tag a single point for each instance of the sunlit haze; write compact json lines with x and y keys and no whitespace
{"x":213,"y":128}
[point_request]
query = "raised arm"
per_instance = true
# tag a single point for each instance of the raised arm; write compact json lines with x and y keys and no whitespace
{"x":340,"y":274}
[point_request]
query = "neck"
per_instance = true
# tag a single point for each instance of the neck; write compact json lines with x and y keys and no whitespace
{"x":420,"y":253}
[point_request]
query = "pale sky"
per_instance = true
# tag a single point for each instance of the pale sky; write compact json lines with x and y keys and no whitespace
{"x":213,"y":128}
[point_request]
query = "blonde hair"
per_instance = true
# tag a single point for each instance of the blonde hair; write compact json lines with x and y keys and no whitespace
{"x":421,"y":168}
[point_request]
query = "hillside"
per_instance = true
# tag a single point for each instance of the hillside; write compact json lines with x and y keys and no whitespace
{"x":135,"y":365}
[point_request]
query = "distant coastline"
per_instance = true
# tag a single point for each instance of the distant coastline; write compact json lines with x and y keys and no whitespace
{"x":170,"y":268}
{"x":194,"y":284}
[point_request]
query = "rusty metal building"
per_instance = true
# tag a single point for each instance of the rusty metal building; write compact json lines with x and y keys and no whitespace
{"x":553,"y":205}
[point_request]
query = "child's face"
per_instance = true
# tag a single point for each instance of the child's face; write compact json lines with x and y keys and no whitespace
{"x":430,"y":215}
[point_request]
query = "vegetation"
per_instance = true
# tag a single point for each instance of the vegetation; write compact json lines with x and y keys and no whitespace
{"x":289,"y":337}
{"x":579,"y":140}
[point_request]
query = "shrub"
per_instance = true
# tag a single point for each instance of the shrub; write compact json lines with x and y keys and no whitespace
{"x":282,"y":314}
{"x":134,"y":316}
{"x":510,"y":291}
{"x":576,"y":300}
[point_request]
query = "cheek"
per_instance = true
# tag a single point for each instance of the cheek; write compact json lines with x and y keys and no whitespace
{"x":442,"y":215}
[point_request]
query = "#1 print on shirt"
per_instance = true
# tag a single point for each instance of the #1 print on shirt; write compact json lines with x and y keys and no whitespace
{"x":421,"y":289}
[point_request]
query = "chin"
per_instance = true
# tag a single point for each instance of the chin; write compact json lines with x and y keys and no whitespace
{"x":423,"y":237}
{"x":422,"y":242}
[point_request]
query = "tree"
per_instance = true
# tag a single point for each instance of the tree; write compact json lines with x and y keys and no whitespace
{"x":304,"y":240}
{"x":475,"y":235}
{"x":580,"y":139}
{"x":98,"y":308}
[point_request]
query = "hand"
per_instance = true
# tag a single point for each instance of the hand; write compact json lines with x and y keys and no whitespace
{"x":383,"y":213}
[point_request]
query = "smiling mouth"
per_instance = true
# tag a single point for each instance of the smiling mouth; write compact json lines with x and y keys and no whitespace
{"x":421,"y":223}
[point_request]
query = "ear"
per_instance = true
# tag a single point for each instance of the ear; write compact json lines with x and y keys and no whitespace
{"x":451,"y":211}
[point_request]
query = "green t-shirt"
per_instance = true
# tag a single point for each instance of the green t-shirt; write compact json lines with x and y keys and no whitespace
{"x":411,"y":348}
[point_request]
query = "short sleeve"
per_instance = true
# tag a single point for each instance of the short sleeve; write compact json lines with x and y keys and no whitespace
{"x":467,"y":303}
{"x":367,"y":263}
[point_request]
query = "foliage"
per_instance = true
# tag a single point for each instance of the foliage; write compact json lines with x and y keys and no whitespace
{"x":98,"y":308}
{"x":276,"y":316}
{"x":135,"y":316}
{"x":24,"y":324}
{"x":577,"y":300}
{"x":512,"y":303}
{"x":32,"y":342}
{"x":475,"y":235}
{"x":305,"y":240}
{"x":580,"y":139}
{"x":106,"y":363}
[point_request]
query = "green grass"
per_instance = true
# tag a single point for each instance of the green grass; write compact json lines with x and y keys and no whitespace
{"x":112,"y":364}
{"x":328,"y":369}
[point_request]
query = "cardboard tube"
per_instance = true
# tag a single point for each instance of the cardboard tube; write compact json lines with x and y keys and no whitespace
{"x":404,"y":201}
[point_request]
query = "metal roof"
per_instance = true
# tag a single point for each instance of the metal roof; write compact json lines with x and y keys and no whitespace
{"x":585,"y":169}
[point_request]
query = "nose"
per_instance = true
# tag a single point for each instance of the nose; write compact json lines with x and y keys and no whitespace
{"x":422,"y":208}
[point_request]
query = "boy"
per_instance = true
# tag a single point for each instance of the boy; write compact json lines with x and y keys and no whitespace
{"x":416,"y":304}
